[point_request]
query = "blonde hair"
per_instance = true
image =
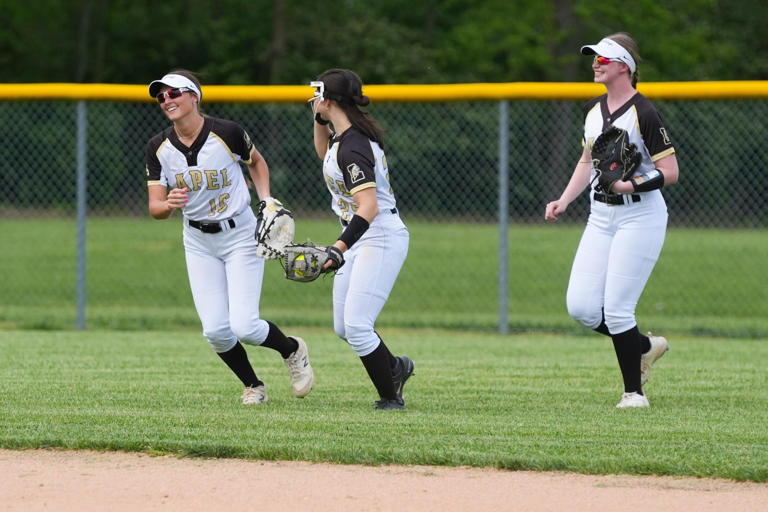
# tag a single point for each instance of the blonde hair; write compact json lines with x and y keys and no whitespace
{"x":629,"y":44}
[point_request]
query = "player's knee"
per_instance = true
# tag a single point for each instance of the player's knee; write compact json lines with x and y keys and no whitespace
{"x":217,"y":331}
{"x":361,"y":337}
{"x":339,"y":329}
{"x":585,"y":314}
{"x":618,"y":321}
{"x":251,"y":332}
{"x":221,"y":343}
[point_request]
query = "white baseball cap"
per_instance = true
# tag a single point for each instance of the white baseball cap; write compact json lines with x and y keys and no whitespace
{"x":612,"y":50}
{"x":174,"y":81}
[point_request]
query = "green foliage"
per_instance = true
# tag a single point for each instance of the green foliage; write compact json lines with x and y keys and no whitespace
{"x":529,"y":402}
{"x":137,"y":279}
{"x":398,"y":41}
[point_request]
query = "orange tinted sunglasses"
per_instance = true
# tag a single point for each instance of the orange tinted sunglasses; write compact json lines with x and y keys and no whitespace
{"x":604,"y":60}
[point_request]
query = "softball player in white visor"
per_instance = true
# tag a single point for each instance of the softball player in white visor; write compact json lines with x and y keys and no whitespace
{"x":194,"y":166}
{"x":627,"y":225}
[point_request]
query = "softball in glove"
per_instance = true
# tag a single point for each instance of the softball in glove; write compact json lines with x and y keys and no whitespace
{"x":304,"y":262}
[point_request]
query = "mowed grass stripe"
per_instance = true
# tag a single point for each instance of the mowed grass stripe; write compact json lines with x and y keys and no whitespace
{"x":533,"y":401}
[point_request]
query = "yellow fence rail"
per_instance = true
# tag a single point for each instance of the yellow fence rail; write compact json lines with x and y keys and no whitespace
{"x":743,"y":89}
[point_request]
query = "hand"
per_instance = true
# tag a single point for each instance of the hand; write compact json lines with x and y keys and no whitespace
{"x":177,"y":198}
{"x":623,"y":187}
{"x":554,"y":208}
{"x":335,"y":258}
{"x":272,"y":202}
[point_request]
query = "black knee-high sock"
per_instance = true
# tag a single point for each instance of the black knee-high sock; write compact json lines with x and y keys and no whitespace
{"x":237,"y":360}
{"x":379,"y":370}
{"x":602,"y":328}
{"x":392,"y":359}
{"x":645,"y":343}
{"x":627,"y":346}
{"x":276,"y":340}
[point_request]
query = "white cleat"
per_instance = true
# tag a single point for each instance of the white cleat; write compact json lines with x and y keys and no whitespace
{"x":254,"y":395}
{"x":302,"y":376}
{"x":632,"y":399}
{"x":659,"y":346}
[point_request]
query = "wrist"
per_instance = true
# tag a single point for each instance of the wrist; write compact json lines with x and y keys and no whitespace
{"x":651,"y":180}
{"x":320,"y":120}
{"x":355,"y":229}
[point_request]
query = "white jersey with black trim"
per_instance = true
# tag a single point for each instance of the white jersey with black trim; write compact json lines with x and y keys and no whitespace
{"x":352,"y":163}
{"x":210,"y":169}
{"x":639,"y":118}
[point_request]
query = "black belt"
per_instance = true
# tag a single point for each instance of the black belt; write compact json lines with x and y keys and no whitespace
{"x":614,"y":199}
{"x":344,"y":222}
{"x":211,"y":227}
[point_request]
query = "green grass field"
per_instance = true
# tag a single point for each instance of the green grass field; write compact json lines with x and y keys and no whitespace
{"x":529,"y":401}
{"x":142,"y":378}
{"x":707,"y":282}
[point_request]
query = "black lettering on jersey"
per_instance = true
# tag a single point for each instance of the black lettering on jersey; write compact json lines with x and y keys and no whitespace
{"x":665,"y":136}
{"x":355,"y":174}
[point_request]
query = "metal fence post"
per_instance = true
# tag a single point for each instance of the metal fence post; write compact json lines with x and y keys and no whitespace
{"x":82,"y":155}
{"x":503,"y":216}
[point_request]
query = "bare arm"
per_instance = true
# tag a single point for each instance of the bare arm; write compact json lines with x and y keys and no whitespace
{"x":579,"y":181}
{"x":162,"y":204}
{"x":322,"y":133}
{"x":259,"y":171}
{"x":668,"y":167}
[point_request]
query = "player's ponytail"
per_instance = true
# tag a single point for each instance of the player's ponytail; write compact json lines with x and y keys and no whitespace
{"x":629,"y":44}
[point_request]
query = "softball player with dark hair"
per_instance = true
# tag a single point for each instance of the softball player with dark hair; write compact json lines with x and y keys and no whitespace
{"x":199,"y":159}
{"x":627,"y":225}
{"x":374,"y":239}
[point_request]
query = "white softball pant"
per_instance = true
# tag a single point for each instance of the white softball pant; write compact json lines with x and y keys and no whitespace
{"x":362,"y":286}
{"x":617,"y":252}
{"x":225,"y":276}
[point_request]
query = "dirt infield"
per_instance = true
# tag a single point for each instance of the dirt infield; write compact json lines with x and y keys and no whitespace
{"x":90,"y":481}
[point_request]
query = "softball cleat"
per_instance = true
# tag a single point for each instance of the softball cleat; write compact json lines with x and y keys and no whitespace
{"x":302,"y":376}
{"x":632,"y":399}
{"x":254,"y":395}
{"x":403,"y":370}
{"x":389,"y":404}
{"x":659,"y":346}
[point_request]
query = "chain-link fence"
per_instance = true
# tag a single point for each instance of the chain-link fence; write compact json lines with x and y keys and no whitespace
{"x":128,"y":269}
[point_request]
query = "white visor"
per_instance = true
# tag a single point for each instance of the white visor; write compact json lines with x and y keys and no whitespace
{"x":173,"y":81}
{"x":612,"y":50}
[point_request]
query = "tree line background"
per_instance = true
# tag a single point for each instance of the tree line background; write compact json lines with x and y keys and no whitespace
{"x":385,"y":41}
